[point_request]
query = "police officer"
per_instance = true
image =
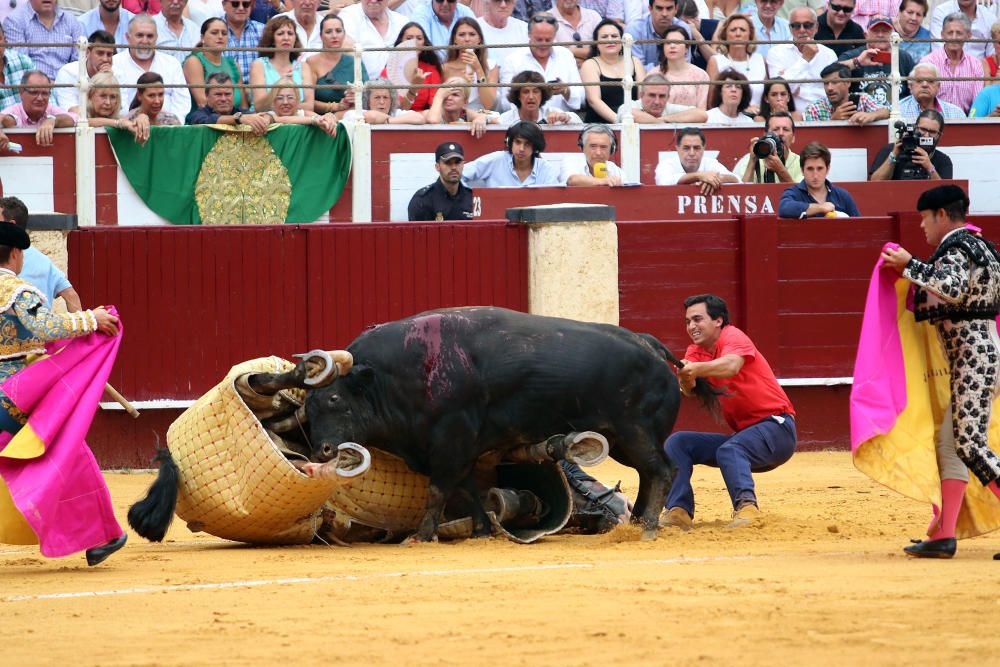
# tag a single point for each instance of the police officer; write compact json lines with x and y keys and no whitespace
{"x":446,"y":198}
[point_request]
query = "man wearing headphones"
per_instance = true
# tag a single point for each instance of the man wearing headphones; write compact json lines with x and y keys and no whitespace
{"x":598,"y":144}
{"x":519,"y":165}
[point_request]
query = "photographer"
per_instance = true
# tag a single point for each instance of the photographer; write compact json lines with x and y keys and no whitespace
{"x":914,"y":155}
{"x":771,"y":159}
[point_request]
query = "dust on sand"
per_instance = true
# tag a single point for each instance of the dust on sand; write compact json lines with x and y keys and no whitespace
{"x":822,"y":581}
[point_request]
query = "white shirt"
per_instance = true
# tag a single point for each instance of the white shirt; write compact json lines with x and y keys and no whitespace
{"x":175,"y":100}
{"x":561,"y":65}
{"x":189,"y":37}
{"x":312,"y":40}
{"x":985,"y":18}
{"x":637,"y":104}
{"x":515,"y":32}
{"x":784,"y":60}
{"x":576,"y":165}
{"x":669,"y":171}
{"x":512,"y":115}
{"x":360,"y":28}
{"x":716,"y":117}
{"x":67,"y":98}
{"x":200,"y":11}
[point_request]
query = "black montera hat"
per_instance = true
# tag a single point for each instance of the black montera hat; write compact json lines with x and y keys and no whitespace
{"x":942,"y":196}
{"x":13,"y":236}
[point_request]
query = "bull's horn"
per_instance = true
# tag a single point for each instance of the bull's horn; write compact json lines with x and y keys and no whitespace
{"x":343,"y":359}
{"x":341,"y":468}
{"x":358,"y":468}
{"x":323,"y":376}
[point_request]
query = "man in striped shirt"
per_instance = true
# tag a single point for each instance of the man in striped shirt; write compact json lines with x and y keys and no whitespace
{"x":13,"y":65}
{"x":924,"y":88}
{"x":952,"y":61}
{"x":243,"y":33}
{"x":42,"y":22}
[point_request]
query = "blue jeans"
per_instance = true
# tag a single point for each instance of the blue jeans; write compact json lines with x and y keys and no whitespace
{"x":758,"y":448}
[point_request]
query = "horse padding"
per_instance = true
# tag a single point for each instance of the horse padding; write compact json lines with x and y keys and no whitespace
{"x":234,"y":481}
{"x":389,"y":496}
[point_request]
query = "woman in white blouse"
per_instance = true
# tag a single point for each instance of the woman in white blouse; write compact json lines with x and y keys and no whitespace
{"x":738,"y":53}
{"x":729,"y":99}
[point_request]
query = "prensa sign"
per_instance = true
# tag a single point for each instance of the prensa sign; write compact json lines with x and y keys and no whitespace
{"x":724,"y":204}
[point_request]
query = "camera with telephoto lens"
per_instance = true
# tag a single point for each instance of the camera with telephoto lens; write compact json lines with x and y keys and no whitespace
{"x":910,"y":140}
{"x":767,"y":145}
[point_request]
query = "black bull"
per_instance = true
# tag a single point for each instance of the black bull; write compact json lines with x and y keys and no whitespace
{"x":441,"y":388}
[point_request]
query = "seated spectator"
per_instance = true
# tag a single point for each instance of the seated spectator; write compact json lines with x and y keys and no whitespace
{"x":924,"y":89}
{"x":44,"y":22}
{"x":437,"y":18}
{"x":381,"y":106}
{"x":778,"y":166}
{"x":303,"y":16}
{"x":331,"y":68}
{"x":909,"y":25}
{"x":990,"y":62}
{"x":675,"y":68}
{"x":446,"y":198}
{"x":244,"y":33}
{"x":652,"y":106}
{"x":13,"y":65}
{"x":804,"y":59}
{"x":286,"y":108}
{"x":607,"y":65}
{"x":471,"y":63}
{"x":839,"y":105}
{"x":777,"y":97}
{"x":530,"y":103}
{"x":141,"y":58}
{"x":99,"y":55}
{"x":739,"y":55}
{"x":35,"y":110}
{"x":689,"y":12}
{"x":108,"y":16}
{"x":104,"y":108}
{"x":220,"y":110}
{"x":980,"y":17}
{"x":836,"y":24}
{"x":597,"y":143}
{"x":150,"y":99}
{"x":730,"y":100}
{"x":575,"y":24}
{"x":371,"y":24}
{"x":653,"y":26}
{"x":953,"y":61}
{"x":893,"y":164}
{"x":871,"y":62}
{"x":287,"y":60}
{"x":695,"y":167}
{"x":987,"y":103}
{"x":451,"y":106}
{"x":176,"y":30}
{"x":500,"y":28}
{"x":428,"y":72}
{"x":201,"y":63}
{"x":769,"y":26}
{"x":556,"y":63}
{"x":520,"y":165}
{"x":815,"y":196}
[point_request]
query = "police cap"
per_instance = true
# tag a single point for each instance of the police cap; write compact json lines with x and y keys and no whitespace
{"x":448,"y":150}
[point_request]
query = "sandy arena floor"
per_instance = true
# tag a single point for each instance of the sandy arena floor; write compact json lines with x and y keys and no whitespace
{"x":822,"y":582}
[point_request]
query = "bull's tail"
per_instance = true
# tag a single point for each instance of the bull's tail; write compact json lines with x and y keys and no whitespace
{"x":703,"y":389}
{"x":151,"y":516}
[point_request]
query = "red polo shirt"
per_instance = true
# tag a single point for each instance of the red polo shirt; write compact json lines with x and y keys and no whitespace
{"x":753,"y":394}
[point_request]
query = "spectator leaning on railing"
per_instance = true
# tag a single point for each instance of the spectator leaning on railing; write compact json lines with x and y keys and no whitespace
{"x":555,"y":63}
{"x":924,"y":88}
{"x":652,"y":105}
{"x":777,"y":97}
{"x":898,"y":163}
{"x":451,"y":106}
{"x":730,"y":100}
{"x":981,"y":18}
{"x":99,"y":59}
{"x":142,"y":57}
{"x":108,"y":16}
{"x":530,"y":103}
{"x":42,"y":22}
{"x":15,"y":64}
{"x":34,"y":110}
{"x":381,"y":106}
{"x":815,"y":196}
{"x":104,"y":107}
{"x":285,"y":108}
{"x":695,"y":167}
{"x":780,"y":164}
{"x":149,"y":101}
{"x":804,"y":59}
{"x":953,"y":61}
{"x":219,"y":108}
{"x":838,"y":104}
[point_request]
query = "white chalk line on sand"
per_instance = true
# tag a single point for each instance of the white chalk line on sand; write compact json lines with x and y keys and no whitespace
{"x":252,"y":583}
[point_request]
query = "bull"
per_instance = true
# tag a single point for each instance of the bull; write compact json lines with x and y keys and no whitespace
{"x":442,"y":388}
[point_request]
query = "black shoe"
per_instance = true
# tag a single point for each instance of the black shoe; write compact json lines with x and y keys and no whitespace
{"x":943,"y":548}
{"x":98,"y":555}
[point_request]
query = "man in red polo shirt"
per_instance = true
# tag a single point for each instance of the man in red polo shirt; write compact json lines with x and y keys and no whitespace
{"x":753,"y":404}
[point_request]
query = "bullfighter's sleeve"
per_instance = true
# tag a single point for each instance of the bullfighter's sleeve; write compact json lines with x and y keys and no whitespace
{"x":47,"y":325}
{"x":948,"y":277}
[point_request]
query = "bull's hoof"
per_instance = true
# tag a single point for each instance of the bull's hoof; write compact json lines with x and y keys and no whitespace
{"x":417,"y":539}
{"x":648,"y":534}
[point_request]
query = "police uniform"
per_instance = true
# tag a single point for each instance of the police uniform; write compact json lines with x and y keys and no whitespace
{"x":433,"y":202}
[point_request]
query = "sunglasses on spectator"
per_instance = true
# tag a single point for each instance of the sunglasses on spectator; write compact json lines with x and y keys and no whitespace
{"x":504,"y":2}
{"x":543,"y":19}
{"x":771,"y":2}
{"x":805,"y":25}
{"x":448,"y":2}
{"x":245,"y":4}
{"x":840,"y":8}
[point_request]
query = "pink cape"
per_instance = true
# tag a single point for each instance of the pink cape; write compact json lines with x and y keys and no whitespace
{"x":61,"y":493}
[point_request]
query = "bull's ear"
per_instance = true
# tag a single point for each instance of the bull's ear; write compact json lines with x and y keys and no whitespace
{"x":360,"y":376}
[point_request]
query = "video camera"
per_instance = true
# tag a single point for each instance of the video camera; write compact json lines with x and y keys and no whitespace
{"x":909,"y":140}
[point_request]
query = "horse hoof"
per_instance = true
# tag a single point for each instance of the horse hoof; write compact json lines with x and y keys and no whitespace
{"x":648,"y":535}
